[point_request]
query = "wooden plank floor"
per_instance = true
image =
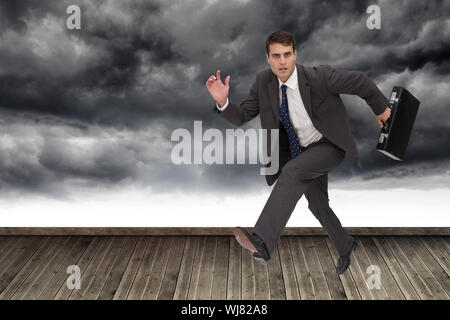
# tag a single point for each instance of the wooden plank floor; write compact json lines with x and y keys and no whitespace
{"x":215,"y":267}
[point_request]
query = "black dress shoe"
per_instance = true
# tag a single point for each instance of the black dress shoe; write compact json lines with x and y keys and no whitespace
{"x":253,"y":243}
{"x":344,"y":261}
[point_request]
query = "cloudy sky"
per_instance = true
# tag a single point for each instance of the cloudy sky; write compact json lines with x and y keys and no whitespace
{"x":84,"y":111}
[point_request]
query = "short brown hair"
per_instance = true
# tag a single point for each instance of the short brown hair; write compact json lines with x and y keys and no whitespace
{"x":282,"y":37}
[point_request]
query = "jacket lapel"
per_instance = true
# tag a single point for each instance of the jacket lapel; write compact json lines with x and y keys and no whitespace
{"x":272,"y":88}
{"x":304,"y":90}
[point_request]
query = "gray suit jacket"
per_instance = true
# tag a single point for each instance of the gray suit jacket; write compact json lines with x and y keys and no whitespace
{"x":319,"y":88}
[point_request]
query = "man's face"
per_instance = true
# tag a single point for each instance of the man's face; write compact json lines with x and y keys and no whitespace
{"x":282,"y":60}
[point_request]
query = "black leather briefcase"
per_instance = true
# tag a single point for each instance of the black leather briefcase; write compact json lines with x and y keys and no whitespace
{"x":394,"y":136}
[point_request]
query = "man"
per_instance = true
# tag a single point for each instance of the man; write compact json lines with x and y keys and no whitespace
{"x":304,"y":104}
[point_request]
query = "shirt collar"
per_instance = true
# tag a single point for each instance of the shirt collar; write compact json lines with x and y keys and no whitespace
{"x":292,"y":82}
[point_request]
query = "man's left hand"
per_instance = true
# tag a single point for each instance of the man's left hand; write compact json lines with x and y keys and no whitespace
{"x":383,"y":117}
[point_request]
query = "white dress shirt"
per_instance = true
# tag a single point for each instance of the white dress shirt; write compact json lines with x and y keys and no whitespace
{"x":300,"y":119}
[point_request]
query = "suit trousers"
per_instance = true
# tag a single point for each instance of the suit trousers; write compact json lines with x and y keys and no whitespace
{"x":305,"y":174}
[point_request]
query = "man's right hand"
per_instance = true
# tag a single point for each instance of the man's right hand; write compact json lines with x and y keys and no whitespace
{"x":382,"y":118}
{"x":217,"y":89}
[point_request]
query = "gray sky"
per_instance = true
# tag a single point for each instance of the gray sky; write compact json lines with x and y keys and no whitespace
{"x":96,"y":107}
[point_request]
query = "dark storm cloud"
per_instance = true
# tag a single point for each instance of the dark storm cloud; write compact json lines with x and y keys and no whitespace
{"x":56,"y":157}
{"x":97,"y":106}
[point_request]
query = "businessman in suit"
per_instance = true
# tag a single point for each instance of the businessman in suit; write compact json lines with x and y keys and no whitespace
{"x":303,"y":103}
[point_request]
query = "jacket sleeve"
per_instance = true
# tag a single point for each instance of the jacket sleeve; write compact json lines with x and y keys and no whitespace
{"x":246,"y":111}
{"x":340,"y":81}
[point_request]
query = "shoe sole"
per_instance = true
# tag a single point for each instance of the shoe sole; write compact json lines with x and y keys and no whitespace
{"x":259,"y":260}
{"x":244,"y":241}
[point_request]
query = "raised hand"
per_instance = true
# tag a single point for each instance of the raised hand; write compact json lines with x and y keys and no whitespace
{"x":217,"y":89}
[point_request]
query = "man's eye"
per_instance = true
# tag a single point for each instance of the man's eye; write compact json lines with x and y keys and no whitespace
{"x":287,"y":55}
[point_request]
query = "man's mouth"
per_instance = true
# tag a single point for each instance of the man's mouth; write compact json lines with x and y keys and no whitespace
{"x":283,"y":69}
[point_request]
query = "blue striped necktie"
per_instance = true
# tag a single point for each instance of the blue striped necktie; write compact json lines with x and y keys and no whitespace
{"x":294,"y":144}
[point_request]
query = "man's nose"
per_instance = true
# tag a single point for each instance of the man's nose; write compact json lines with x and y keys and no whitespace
{"x":283,"y":61}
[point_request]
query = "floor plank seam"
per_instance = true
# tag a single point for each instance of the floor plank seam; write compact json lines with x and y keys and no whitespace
{"x":23,"y":266}
{"x":430,"y":271}
{"x":216,"y":267}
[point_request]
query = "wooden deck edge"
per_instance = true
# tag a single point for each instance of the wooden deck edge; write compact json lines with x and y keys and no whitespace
{"x":357,"y":231}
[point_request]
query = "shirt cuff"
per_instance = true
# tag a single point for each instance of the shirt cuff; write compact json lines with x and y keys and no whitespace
{"x":224,"y":106}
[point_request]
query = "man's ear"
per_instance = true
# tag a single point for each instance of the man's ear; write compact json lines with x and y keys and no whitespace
{"x":267,"y":57}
